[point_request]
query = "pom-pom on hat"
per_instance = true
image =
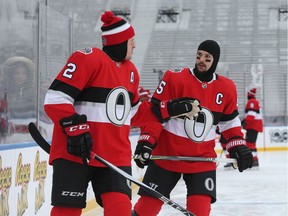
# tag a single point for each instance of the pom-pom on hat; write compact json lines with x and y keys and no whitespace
{"x":252,"y":92}
{"x":115,"y":30}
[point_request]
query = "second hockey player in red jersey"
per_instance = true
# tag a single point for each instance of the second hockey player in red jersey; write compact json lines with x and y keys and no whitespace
{"x":192,"y":135}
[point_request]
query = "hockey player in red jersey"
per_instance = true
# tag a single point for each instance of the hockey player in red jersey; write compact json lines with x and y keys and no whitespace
{"x":194,"y":136}
{"x":253,"y":123}
{"x":92,"y":103}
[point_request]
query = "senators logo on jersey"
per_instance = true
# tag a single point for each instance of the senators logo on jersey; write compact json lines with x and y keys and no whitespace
{"x":86,"y":51}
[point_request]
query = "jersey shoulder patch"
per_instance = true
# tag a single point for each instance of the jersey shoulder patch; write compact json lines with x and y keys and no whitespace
{"x":177,"y":70}
{"x":86,"y":51}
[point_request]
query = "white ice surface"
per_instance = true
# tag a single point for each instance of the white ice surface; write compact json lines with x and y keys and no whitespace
{"x":256,"y":192}
{"x":259,"y":191}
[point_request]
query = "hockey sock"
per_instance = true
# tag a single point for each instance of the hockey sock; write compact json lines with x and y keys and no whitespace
{"x":252,"y":147}
{"x":115,"y":203}
{"x":200,"y":205}
{"x":64,"y":211}
{"x":148,"y":206}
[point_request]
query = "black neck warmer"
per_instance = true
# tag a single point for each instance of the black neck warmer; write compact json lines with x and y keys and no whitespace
{"x":213,"y":48}
{"x":116,"y":52}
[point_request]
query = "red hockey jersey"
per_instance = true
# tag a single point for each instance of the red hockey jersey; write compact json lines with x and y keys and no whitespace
{"x":107,"y":93}
{"x":184,"y":137}
{"x":253,"y":115}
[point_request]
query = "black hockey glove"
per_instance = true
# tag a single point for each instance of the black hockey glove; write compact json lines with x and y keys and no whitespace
{"x":237,"y":149}
{"x":142,"y":154}
{"x":178,"y":107}
{"x":79,"y":142}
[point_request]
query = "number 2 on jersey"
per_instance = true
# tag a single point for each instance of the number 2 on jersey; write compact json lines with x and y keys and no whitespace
{"x":68,"y":73}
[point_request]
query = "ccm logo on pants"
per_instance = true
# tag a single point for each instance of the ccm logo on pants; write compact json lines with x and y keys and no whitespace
{"x":73,"y":194}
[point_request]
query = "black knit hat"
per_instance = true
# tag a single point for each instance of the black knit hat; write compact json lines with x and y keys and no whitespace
{"x":213,"y":48}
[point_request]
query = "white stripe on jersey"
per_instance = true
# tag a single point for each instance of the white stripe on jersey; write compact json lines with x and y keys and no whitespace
{"x":258,"y":116}
{"x":96,"y":112}
{"x":176,"y":126}
{"x":251,"y":112}
{"x":57,"y":97}
{"x":223,"y":126}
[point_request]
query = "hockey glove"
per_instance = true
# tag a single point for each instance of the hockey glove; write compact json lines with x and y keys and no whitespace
{"x":79,"y":142}
{"x":237,"y":149}
{"x":178,"y":107}
{"x":142,"y":154}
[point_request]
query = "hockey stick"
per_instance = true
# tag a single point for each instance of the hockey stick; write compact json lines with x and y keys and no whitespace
{"x":220,"y":156}
{"x":46,"y":147}
{"x":198,"y":159}
{"x":145,"y":187}
{"x":38,"y":138}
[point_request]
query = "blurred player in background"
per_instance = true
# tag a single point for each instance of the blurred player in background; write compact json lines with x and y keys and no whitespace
{"x":20,"y":85}
{"x":193,"y":135}
{"x":144,"y":94}
{"x":253,"y":123}
{"x":20,"y":98}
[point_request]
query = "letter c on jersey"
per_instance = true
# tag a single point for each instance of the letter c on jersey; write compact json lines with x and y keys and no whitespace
{"x":219,"y":97}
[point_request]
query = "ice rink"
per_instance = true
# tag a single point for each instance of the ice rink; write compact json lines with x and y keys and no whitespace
{"x":259,"y":191}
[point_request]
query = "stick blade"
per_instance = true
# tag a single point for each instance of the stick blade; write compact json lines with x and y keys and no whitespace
{"x":38,"y":138}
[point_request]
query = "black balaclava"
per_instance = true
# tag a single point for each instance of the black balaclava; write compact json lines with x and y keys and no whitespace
{"x":213,"y":48}
{"x":116,"y":52}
